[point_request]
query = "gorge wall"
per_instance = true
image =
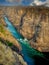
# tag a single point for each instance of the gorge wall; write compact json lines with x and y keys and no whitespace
{"x":31,"y":22}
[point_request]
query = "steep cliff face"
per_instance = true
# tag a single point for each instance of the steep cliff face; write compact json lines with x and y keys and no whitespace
{"x":9,"y":48}
{"x":32,"y":23}
{"x":9,"y":57}
{"x":5,"y":35}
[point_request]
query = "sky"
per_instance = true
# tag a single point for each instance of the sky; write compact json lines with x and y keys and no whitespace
{"x":25,"y":2}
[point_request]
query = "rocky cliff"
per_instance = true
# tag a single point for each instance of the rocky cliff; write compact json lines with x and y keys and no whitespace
{"x":31,"y":22}
{"x":9,"y":57}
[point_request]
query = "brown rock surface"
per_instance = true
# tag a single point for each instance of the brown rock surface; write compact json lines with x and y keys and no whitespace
{"x":6,"y":35}
{"x":32,"y":23}
{"x":9,"y":57}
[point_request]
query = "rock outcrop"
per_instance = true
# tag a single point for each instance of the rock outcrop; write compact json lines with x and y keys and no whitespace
{"x":9,"y":57}
{"x":6,"y":36}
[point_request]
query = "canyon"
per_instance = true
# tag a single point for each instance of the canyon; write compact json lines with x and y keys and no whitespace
{"x":31,"y":22}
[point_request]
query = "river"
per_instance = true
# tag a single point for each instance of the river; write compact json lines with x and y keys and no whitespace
{"x":17,"y":35}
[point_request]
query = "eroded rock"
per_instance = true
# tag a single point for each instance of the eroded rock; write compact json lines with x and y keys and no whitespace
{"x":9,"y":57}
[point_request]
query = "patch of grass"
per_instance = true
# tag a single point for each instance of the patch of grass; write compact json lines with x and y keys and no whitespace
{"x":6,"y":42}
{"x":9,"y":43}
{"x":2,"y":29}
